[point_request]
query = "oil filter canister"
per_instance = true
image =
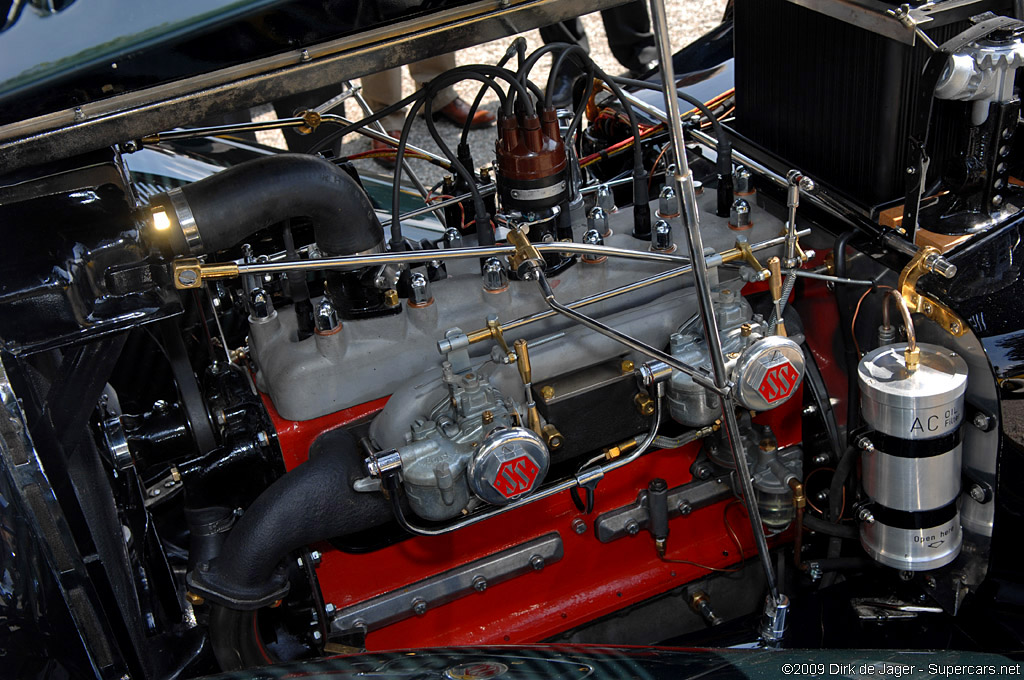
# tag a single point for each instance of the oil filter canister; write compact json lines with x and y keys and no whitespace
{"x":912,"y":472}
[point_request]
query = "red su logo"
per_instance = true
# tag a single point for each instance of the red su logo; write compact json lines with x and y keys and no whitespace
{"x":515,"y":476}
{"x":778,"y":382}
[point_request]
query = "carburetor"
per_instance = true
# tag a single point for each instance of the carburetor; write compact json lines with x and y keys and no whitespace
{"x":766,"y":369}
{"x":468,"y":445}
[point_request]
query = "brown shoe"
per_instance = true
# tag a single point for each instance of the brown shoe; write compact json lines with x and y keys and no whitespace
{"x":458,"y":111}
{"x":377,"y":145}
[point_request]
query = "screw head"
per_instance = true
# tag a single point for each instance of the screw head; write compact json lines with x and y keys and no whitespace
{"x":864,"y":515}
{"x":579,"y":526}
{"x":981,"y":421}
{"x":317,"y":635}
{"x":685,"y":508}
{"x":977,"y":493}
{"x":329,"y":608}
{"x":187,"y":277}
{"x":537,"y":562}
{"x":419,"y":607}
{"x":632,"y":528}
{"x":479,"y":584}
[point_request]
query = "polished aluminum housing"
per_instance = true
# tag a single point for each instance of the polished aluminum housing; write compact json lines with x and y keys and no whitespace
{"x":912,"y":469}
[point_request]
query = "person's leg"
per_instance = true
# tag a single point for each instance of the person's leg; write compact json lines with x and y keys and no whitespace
{"x":570,"y":31}
{"x":424,"y":71}
{"x":447,"y":102}
{"x":628,"y":28}
{"x":381,"y":90}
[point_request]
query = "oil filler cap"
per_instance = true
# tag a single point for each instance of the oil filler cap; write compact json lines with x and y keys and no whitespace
{"x":768,"y":373}
{"x":509,"y":463}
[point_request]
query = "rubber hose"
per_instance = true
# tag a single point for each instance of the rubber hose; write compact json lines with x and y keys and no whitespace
{"x":813,"y":523}
{"x":233,"y":204}
{"x":312,"y":503}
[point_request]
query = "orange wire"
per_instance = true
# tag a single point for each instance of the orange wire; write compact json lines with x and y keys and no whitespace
{"x":856,"y":311}
{"x":842,"y":508}
{"x":735,"y":539}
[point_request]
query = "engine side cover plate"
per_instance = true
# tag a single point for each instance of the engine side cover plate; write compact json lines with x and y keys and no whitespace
{"x":510,"y":463}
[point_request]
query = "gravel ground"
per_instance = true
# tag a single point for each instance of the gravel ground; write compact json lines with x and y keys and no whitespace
{"x":688,"y":20}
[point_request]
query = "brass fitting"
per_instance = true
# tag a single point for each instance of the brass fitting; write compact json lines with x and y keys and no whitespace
{"x":494,"y":328}
{"x":391,"y":297}
{"x":799,"y":499}
{"x":188,"y":273}
{"x":311,"y":120}
{"x":526,"y":256}
{"x":194,"y":599}
{"x":644,"y":404}
{"x":912,"y":357}
{"x":552,"y":437}
{"x":547,"y":393}
{"x":487,"y":417}
{"x":620,"y":449}
{"x":523,"y":361}
{"x":626,"y":366}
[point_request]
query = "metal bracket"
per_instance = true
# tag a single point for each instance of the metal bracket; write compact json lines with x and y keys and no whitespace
{"x":475,"y":577}
{"x":919,"y":265}
{"x":682,"y":500}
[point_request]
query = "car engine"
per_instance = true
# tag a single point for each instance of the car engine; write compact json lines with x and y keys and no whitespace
{"x":730,"y":367}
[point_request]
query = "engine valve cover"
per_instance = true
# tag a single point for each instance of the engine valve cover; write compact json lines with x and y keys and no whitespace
{"x":510,"y":463}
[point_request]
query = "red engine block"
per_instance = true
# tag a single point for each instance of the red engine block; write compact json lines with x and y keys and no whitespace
{"x":591,"y":580}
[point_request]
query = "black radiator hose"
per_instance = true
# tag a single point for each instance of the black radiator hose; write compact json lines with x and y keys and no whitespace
{"x":222,"y":210}
{"x":312,"y":503}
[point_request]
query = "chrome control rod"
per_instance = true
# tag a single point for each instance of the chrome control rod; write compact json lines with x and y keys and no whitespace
{"x":691,"y":221}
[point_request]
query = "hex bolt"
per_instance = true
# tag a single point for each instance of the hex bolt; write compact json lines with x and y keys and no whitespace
{"x":419,"y":606}
{"x":326,"y":318}
{"x":605,"y":199}
{"x":579,"y":526}
{"x":668,"y":202}
{"x":317,"y":635}
{"x":741,"y":182}
{"x":329,"y":609}
{"x":739,"y":215}
{"x":316,"y":557}
{"x":632,"y":528}
{"x":977,"y":493}
{"x":593,"y":237}
{"x":260,"y":306}
{"x":982,"y":422}
{"x":479,"y":584}
{"x":537,"y":562}
{"x":864,"y":515}
{"x":684,"y":508}
{"x":597,"y":219}
{"x":452,"y":238}
{"x":661,"y":237}
{"x":419,"y":290}
{"x":495,"y":276}
{"x":865,"y":444}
